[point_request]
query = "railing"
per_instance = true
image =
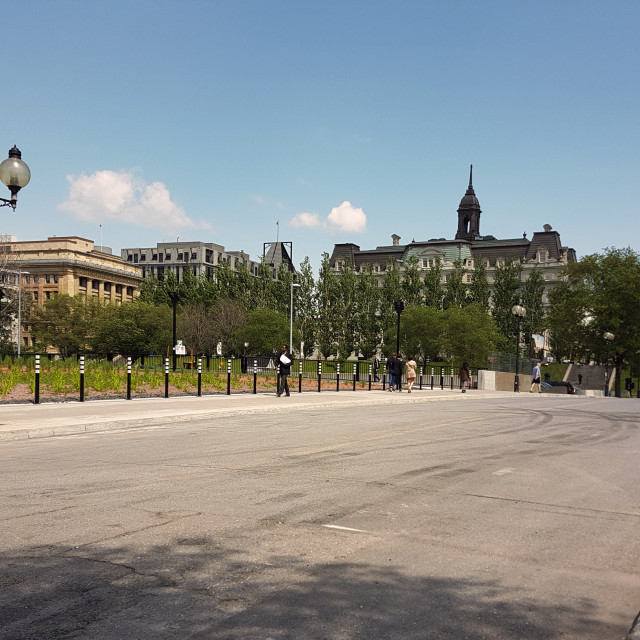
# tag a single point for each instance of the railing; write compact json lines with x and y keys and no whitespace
{"x":107,"y":375}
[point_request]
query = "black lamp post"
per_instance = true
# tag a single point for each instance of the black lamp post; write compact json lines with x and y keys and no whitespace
{"x":15,"y":174}
{"x":399,"y":307}
{"x":174,"y":301}
{"x":608,"y":337}
{"x":519,"y":312}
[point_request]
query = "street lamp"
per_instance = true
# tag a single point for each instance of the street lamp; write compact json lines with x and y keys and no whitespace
{"x":399,"y":307}
{"x":608,"y":336}
{"x":520,"y":312}
{"x":15,"y":174}
{"x":293,"y":284}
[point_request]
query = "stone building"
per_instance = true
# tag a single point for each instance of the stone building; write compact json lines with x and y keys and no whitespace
{"x":69,"y":265}
{"x":202,"y":258}
{"x":543,"y":251}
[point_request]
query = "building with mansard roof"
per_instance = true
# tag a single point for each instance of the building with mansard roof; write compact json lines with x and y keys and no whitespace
{"x":543,"y":251}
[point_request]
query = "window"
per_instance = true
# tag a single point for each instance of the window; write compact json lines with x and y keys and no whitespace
{"x":35,"y":279}
{"x":55,"y":279}
{"x":82,"y":283}
{"x":194,"y":256}
{"x":27,"y":279}
{"x":130,"y":291}
{"x":468,"y":278}
{"x":167,"y":256}
{"x":154,"y":256}
{"x":35,"y":296}
{"x":47,"y":295}
{"x":129,"y":258}
{"x":143,"y":257}
{"x":135,"y":258}
{"x":180,"y":257}
{"x":95,"y":284}
{"x":118,"y":289}
{"x":47,"y":279}
{"x":107,"y":287}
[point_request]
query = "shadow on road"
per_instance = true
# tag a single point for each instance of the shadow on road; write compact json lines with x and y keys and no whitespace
{"x":197,"y":589}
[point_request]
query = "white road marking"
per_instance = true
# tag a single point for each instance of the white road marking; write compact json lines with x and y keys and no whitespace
{"x":503,"y":472}
{"x":335,"y":526}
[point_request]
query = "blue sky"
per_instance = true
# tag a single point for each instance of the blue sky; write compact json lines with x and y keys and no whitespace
{"x":344,"y":121}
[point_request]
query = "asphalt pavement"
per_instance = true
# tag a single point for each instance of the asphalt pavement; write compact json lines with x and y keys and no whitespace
{"x":48,"y":419}
{"x":51,"y":419}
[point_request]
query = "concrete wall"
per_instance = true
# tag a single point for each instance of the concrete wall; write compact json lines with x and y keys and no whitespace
{"x":501,"y":381}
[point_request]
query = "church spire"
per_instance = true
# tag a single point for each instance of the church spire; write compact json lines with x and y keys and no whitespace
{"x":469,"y":213}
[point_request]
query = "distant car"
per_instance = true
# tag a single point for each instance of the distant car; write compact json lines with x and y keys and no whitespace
{"x":559,"y":386}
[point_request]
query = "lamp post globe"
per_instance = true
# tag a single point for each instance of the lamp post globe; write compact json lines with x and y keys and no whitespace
{"x":520,"y":312}
{"x":14,"y":174}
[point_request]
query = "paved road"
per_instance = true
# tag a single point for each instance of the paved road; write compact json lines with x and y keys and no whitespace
{"x":488,"y":518}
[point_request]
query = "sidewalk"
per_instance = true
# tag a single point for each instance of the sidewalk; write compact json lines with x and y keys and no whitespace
{"x":26,"y":421}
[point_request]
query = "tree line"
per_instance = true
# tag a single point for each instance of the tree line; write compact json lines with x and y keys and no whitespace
{"x":353,"y":312}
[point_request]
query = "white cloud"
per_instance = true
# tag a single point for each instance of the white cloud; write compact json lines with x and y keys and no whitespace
{"x":306,"y":220}
{"x":121,"y":196}
{"x":345,"y":218}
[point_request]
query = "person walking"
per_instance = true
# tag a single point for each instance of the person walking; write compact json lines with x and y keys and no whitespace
{"x":394,"y":367}
{"x":465,"y":377}
{"x":411,"y":367}
{"x":535,"y":378}
{"x":284,"y":361}
{"x":375,"y":364}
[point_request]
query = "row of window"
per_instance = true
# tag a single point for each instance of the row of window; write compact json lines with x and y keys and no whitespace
{"x":155,"y":257}
{"x":108,"y":287}
{"x":182,"y":257}
{"x":158,"y":272}
{"x":48,"y":279}
{"x":428,"y":263}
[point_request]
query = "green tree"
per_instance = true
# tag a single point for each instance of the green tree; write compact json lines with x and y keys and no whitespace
{"x":568,"y":331}
{"x":228,"y":318}
{"x":327,"y":304}
{"x":532,"y":300}
{"x":506,"y":293}
{"x":605,"y":289}
{"x":479,"y":292}
{"x":305,"y":306}
{"x":421,"y":332}
{"x":456,"y":294}
{"x":432,"y":285}
{"x":411,"y":286}
{"x":470,"y":334}
{"x":133,"y":328}
{"x":369,"y":330}
{"x":390,"y":292}
{"x":265,"y":330}
{"x":263,"y":289}
{"x":65,"y":322}
{"x":347,"y":312}
{"x":198,"y":327}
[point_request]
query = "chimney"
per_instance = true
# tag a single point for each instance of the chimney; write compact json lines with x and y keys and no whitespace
{"x":396,"y":240}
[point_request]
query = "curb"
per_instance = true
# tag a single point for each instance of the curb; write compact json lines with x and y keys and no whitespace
{"x":91,"y":424}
